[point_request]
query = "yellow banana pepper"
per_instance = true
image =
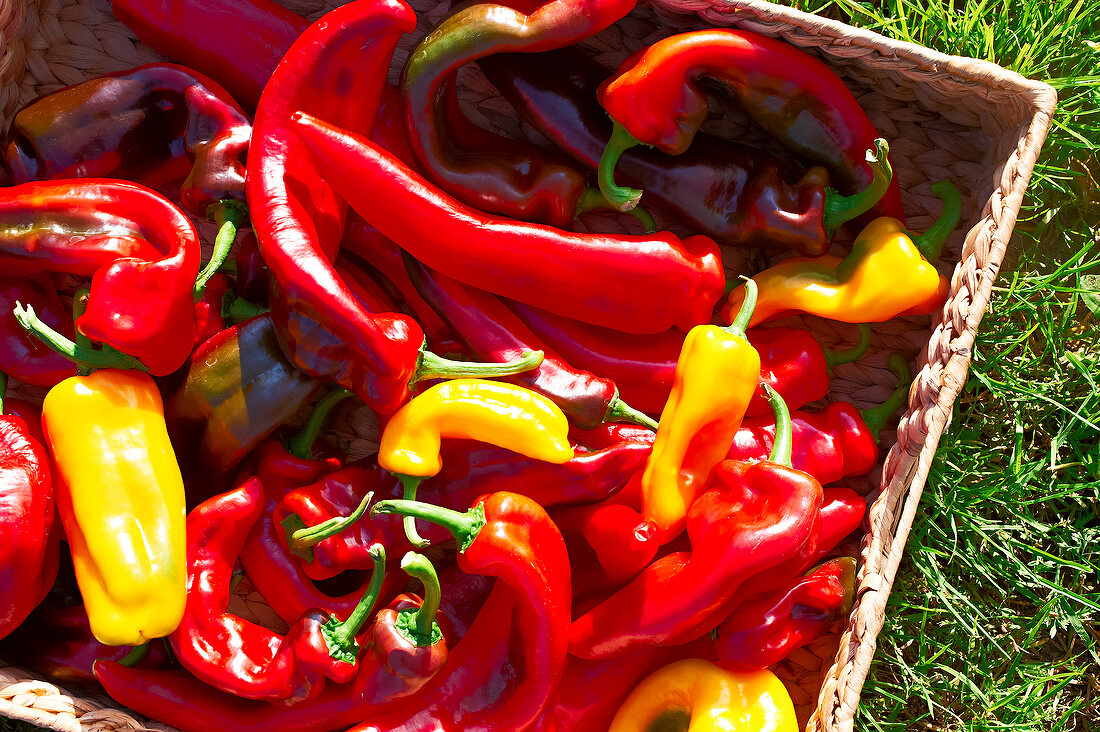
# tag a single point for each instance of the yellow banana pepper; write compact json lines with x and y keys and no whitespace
{"x":121,"y":500}
{"x":501,"y":414}
{"x":696,"y":696}
{"x":887,"y":274}
{"x":716,"y":376}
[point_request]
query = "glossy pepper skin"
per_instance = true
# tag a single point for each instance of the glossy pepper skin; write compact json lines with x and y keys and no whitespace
{"x":764,"y":629}
{"x":656,"y":96}
{"x":592,"y":277}
{"x":121,"y":500}
{"x":491,"y":332}
{"x":699,"y":695}
{"x":887,"y":274}
{"x":22,"y":356}
{"x":141,"y":251}
{"x":499,"y":175}
{"x":298,"y":217}
{"x":151,"y":124}
{"x":504,"y":670}
{"x":239,"y":389}
{"x":489,"y":411}
{"x":716,"y":375}
{"x":28,"y":544}
{"x":735,"y":194}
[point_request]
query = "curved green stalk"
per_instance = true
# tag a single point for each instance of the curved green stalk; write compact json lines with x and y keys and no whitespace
{"x":840,"y":209}
{"x":619,"y":197}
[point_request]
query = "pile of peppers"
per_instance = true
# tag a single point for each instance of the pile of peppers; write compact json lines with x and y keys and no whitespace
{"x":606,"y":494}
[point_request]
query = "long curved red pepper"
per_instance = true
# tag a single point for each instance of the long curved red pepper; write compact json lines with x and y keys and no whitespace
{"x":655,"y":95}
{"x":639,"y":284}
{"x":141,"y":251}
{"x":299,"y":219}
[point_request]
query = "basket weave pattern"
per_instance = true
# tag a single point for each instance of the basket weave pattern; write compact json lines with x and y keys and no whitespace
{"x":946,"y":118}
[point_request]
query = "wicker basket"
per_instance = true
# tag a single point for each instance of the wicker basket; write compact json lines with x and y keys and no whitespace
{"x":946,"y":117}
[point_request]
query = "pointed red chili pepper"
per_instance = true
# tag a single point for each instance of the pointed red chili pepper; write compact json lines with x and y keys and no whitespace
{"x":641,"y":284}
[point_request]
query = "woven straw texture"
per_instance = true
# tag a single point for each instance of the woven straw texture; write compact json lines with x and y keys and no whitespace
{"x":946,"y":117}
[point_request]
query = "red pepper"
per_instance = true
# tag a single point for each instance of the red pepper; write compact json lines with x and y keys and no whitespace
{"x":28,"y":543}
{"x":370,"y":294}
{"x":251,"y":281}
{"x":655,"y":97}
{"x":140,"y":250}
{"x":594,"y":277}
{"x":242,"y":657}
{"x":491,"y":332}
{"x":488,"y":172}
{"x":23,"y":356}
{"x":151,"y":124}
{"x":765,"y":628}
{"x":752,"y":517}
{"x":237,"y":42}
{"x":209,"y":318}
{"x":504,"y":670}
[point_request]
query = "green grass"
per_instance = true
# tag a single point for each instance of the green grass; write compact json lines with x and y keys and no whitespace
{"x":991,"y":624}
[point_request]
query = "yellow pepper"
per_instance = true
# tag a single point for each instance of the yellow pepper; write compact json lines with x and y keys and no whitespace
{"x":696,"y":696}
{"x":496,"y":412}
{"x":121,"y":501}
{"x":716,"y":376}
{"x":887,"y":274}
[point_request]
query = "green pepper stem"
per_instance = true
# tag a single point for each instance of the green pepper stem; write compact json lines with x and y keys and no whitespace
{"x":463,"y":525}
{"x":856,"y":352}
{"x":340,"y":636}
{"x":744,"y":316}
{"x":301,"y":445}
{"x":300,"y":539}
{"x":228,"y":214}
{"x":930,"y":243}
{"x":875,"y":418}
{"x":236,"y":309}
{"x":431,"y":366}
{"x":620,"y":198}
{"x":424,"y":623}
{"x":82,"y":356}
{"x":135,"y":655}
{"x":3,"y":390}
{"x":783,"y":444}
{"x":839,"y":209}
{"x":410,"y":483}
{"x":592,"y":199}
{"x":620,"y":411}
